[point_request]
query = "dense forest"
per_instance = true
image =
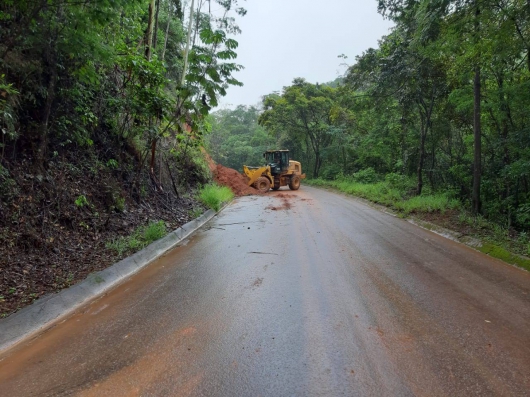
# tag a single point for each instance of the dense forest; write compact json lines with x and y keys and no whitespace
{"x":80,"y":73}
{"x":442,"y":102}
{"x":102,"y":113}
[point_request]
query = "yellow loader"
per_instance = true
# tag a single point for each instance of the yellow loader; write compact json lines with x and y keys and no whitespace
{"x":279,"y":171}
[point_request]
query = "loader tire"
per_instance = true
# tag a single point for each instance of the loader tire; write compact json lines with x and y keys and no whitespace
{"x":262,"y":184}
{"x":294,"y":184}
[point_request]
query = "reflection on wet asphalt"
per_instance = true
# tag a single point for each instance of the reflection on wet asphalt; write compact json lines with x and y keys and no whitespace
{"x":305,"y":293}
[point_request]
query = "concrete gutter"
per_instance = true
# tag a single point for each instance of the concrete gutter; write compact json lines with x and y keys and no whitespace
{"x":40,"y":315}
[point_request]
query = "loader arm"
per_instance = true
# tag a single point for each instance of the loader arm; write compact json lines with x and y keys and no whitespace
{"x":253,"y":173}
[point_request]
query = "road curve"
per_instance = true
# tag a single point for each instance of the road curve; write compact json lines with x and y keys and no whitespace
{"x":306,"y":293}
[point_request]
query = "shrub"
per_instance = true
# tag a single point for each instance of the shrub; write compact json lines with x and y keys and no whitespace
{"x":522,"y":216}
{"x":140,"y":238}
{"x":81,"y":201}
{"x":213,"y":196}
{"x":153,"y":232}
{"x":368,"y":175}
{"x":428,"y":203}
{"x":331,"y":172}
{"x":399,"y":181}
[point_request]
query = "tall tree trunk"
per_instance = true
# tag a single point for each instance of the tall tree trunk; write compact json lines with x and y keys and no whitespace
{"x":150,"y":28}
{"x":433,"y":163}
{"x":421,"y":160}
{"x":155,"y":29}
{"x":316,"y":167}
{"x":167,"y":32}
{"x":505,"y":128}
{"x":46,"y":112}
{"x":187,"y":50}
{"x":477,"y":166}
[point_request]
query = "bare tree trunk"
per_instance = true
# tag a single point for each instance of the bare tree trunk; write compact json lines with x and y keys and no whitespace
{"x":167,"y":31}
{"x":197,"y":20}
{"x":421,"y":161}
{"x":151,"y":26}
{"x":149,"y":33}
{"x":318,"y":163}
{"x":187,"y":50}
{"x":477,"y":166}
{"x":43,"y":128}
{"x":172,"y":179}
{"x":155,"y":29}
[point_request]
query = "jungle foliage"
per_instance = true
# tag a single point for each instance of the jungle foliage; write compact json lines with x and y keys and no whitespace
{"x":136,"y":74}
{"x":236,"y":139}
{"x":102,"y":112}
{"x":443,"y":100}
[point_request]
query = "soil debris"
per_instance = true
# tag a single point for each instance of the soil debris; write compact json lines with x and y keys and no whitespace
{"x":286,"y":204}
{"x":234,"y":180}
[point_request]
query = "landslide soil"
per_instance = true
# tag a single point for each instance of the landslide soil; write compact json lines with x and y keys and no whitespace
{"x":49,"y":242}
{"x":286,"y":200}
{"x":234,"y":180}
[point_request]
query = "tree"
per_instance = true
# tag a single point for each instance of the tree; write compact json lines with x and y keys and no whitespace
{"x":236,"y":139}
{"x":306,"y":111}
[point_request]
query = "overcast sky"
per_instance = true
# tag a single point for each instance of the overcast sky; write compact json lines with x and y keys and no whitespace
{"x":284,"y":39}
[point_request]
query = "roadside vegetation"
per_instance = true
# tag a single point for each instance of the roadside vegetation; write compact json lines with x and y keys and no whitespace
{"x":140,"y":238}
{"x":213,"y":196}
{"x":394,"y":191}
{"x":103,"y":110}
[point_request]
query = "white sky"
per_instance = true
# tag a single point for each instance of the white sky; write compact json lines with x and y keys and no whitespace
{"x":285,"y":39}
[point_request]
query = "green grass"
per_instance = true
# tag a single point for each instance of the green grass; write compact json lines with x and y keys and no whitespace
{"x":506,"y":256}
{"x":428,"y":203}
{"x":140,"y":238}
{"x":213,"y":196}
{"x":386,"y":194}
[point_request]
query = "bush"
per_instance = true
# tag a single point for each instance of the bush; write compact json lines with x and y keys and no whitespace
{"x":141,"y":237}
{"x":368,"y":175}
{"x":331,"y":172}
{"x":522,"y":216}
{"x":153,"y":232}
{"x":213,"y":196}
{"x":8,"y":186}
{"x":399,"y":181}
{"x":430,"y":203}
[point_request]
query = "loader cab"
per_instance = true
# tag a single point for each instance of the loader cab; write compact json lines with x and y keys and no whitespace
{"x":278,"y":160}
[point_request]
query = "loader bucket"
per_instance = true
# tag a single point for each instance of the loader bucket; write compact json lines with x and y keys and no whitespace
{"x":253,"y":173}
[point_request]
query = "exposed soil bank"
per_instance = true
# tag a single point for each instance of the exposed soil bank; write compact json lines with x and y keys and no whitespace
{"x":234,"y":180}
{"x":55,"y":224}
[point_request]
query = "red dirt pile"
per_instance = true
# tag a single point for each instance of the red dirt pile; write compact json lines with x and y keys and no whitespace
{"x":234,"y":180}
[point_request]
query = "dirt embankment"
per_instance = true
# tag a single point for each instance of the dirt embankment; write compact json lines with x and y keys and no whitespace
{"x":55,"y":226}
{"x":229,"y":177}
{"x":234,"y":180}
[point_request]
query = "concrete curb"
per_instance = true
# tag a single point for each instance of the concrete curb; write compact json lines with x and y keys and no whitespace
{"x":40,"y":315}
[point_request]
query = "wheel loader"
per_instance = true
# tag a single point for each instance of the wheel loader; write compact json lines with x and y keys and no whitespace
{"x":279,"y":171}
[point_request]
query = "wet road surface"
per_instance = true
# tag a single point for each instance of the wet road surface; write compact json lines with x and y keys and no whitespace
{"x":306,"y":293}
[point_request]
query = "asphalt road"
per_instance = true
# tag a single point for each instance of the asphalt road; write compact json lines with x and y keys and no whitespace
{"x":306,"y":293}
